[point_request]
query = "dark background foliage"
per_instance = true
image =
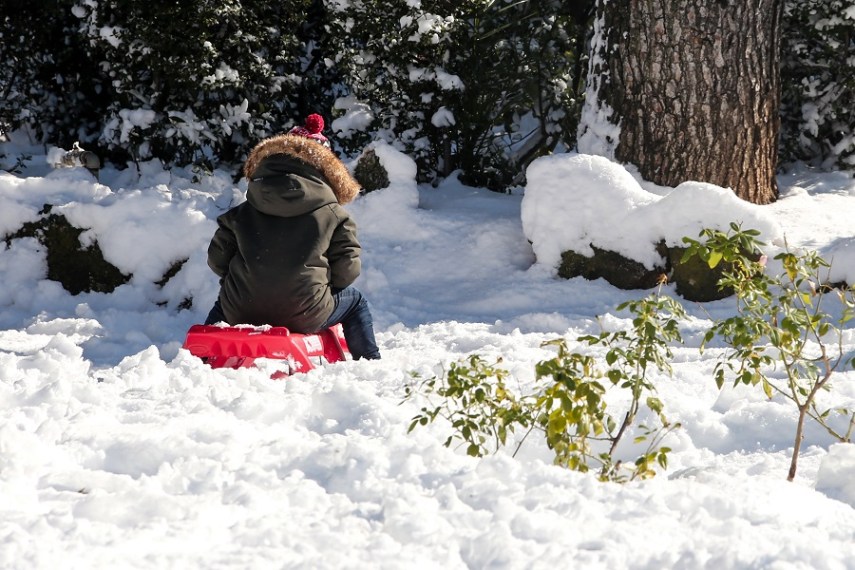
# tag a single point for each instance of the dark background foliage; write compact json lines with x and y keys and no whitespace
{"x":481,"y":87}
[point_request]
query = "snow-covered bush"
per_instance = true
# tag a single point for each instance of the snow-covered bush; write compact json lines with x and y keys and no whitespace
{"x":193,"y":81}
{"x":184,"y":82}
{"x":49,"y":87}
{"x":818,"y":72}
{"x":479,"y":86}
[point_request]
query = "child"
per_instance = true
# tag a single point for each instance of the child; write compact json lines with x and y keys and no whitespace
{"x":312,"y":128}
{"x":289,"y":254}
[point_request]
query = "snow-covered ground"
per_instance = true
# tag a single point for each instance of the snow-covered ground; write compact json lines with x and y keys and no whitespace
{"x":118,"y":449}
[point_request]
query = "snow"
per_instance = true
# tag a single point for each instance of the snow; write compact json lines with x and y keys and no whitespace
{"x":357,"y":116}
{"x":118,"y":449}
{"x":575,"y":201}
{"x":598,"y":134}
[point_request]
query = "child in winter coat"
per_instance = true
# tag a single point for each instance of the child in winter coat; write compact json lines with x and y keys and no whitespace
{"x":289,"y":254}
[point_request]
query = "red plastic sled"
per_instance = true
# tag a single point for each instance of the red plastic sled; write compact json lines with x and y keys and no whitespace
{"x":238,"y":347}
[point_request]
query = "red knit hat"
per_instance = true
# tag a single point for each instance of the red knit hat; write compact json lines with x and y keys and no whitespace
{"x":314,"y":125}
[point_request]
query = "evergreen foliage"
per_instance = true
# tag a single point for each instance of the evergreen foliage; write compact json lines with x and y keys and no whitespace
{"x":48,"y":84}
{"x":184,"y":82}
{"x":194,"y":81}
{"x":818,"y":72}
{"x":482,"y":87}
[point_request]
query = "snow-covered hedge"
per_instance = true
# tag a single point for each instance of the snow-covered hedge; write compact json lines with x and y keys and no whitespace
{"x":476,"y":86}
{"x":184,"y":82}
{"x":819,"y":83}
{"x":481,"y":87}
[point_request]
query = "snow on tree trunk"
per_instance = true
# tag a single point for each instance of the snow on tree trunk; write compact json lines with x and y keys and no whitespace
{"x":687,"y":90}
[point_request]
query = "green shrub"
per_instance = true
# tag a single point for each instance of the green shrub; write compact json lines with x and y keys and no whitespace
{"x":818,"y":83}
{"x":781,"y":338}
{"x":568,"y":402}
{"x":482,"y":87}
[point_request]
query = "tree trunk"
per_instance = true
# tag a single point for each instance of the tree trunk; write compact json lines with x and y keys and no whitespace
{"x":691,"y":91}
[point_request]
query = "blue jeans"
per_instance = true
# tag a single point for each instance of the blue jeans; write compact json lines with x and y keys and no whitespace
{"x":351,"y":310}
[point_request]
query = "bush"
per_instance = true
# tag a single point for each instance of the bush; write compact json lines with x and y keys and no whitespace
{"x":568,"y":403}
{"x":818,"y":79}
{"x":483,"y":87}
{"x":781,"y":339}
{"x":781,"y":327}
{"x":49,"y":86}
{"x":194,"y":82}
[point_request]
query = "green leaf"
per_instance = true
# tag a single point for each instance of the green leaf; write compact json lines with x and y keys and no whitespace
{"x":767,"y":388}
{"x":655,"y":405}
{"x":715,"y":259}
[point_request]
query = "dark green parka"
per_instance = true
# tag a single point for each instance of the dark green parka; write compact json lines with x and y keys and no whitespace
{"x":280,"y":253}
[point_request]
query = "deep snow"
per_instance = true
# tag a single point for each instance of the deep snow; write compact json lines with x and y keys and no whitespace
{"x":120,"y":450}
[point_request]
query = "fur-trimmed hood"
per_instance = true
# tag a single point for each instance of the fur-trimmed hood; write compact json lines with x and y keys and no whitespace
{"x":306,"y":150}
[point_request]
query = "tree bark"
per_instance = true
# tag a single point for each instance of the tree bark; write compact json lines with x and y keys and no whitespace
{"x":694,"y":89}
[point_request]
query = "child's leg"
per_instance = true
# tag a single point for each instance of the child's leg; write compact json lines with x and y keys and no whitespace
{"x":216,"y":315}
{"x":352,"y":311}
